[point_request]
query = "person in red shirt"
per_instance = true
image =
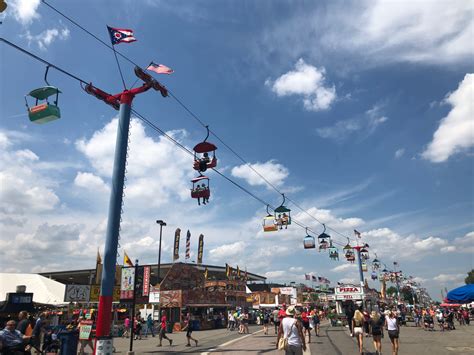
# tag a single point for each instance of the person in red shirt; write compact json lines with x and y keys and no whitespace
{"x":282,"y":312}
{"x":163,"y":331}
{"x":305,"y":321}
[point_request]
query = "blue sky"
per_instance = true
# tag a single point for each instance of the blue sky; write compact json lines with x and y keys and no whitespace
{"x":360,"y":111}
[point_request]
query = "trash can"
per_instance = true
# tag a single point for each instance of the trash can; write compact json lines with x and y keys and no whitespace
{"x":68,"y":342}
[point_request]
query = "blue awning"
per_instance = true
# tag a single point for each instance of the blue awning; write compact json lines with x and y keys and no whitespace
{"x":463,"y":294}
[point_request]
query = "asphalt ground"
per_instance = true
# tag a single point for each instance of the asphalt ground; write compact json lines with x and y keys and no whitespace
{"x":332,"y":340}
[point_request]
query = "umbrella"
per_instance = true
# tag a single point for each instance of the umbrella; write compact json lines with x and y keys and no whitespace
{"x":463,"y":294}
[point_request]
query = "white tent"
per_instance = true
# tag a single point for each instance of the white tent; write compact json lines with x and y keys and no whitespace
{"x":44,"y":290}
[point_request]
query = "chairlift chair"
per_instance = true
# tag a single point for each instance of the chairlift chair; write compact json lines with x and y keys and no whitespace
{"x":43,"y":111}
{"x":269,"y":223}
{"x":204,"y":162}
{"x":333,"y":253}
{"x":309,"y":241}
{"x":198,"y":191}
{"x":282,"y":214}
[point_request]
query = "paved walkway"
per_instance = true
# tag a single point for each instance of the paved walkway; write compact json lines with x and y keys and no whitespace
{"x":332,"y":341}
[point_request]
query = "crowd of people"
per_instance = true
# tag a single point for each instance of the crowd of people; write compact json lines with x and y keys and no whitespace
{"x":28,"y":334}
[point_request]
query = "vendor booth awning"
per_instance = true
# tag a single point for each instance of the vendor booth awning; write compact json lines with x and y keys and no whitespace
{"x":463,"y":294}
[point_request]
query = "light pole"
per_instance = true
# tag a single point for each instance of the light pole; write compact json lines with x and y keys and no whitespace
{"x":161,"y":223}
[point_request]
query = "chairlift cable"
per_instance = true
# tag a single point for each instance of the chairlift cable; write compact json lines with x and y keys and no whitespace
{"x":185,"y":108}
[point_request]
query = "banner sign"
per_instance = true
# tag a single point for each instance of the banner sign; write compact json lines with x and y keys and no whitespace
{"x":286,"y":290}
{"x":126,"y":285}
{"x":176,"y":244}
{"x":77,"y":293}
{"x":200,"y":249}
{"x":146,"y":281}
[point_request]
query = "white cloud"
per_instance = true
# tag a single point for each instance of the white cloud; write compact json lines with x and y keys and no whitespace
{"x":155,"y":167}
{"x":449,"y":278}
{"x":25,"y":11}
{"x":23,"y":188}
{"x":227,"y":250}
{"x":366,"y":123}
{"x":45,"y":38}
{"x":344,"y":267}
{"x":308,"y":81}
{"x":274,"y":172}
{"x":399,"y":153}
{"x":464,"y":244}
{"x":455,"y":133}
{"x":296,"y":268}
{"x":376,"y":32}
{"x":91,"y":182}
{"x":275,"y":274}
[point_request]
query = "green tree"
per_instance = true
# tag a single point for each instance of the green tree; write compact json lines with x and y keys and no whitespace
{"x":470,"y":277}
{"x":391,"y":291}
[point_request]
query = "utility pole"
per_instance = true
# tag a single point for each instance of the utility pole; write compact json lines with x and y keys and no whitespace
{"x":162,"y":224}
{"x":134,"y":299}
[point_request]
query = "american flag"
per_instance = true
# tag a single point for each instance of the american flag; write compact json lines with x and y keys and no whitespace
{"x":357,"y":233}
{"x":320,"y":279}
{"x":160,"y":68}
{"x":307,"y":277}
{"x":313,"y":277}
{"x":188,"y":244}
{"x":120,"y":35}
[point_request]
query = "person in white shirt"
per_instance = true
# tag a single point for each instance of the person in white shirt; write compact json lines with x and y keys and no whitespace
{"x":292,"y":329}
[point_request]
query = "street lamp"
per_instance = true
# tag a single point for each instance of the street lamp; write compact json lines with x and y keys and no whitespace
{"x":161,"y":223}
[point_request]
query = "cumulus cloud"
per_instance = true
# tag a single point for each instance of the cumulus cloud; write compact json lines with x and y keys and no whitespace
{"x":227,"y":250}
{"x":23,"y":188}
{"x":45,"y":38}
{"x":155,"y":167}
{"x":307,"y":81}
{"x":274,"y":172}
{"x":455,"y":133}
{"x":364,"y":124}
{"x":449,"y":278}
{"x":91,"y":182}
{"x":344,"y":268}
{"x":376,"y":32}
{"x":399,"y":153}
{"x":25,"y":11}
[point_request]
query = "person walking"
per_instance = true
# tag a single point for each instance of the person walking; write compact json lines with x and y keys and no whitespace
{"x":376,"y":328}
{"x":126,"y":331}
{"x":357,"y":330}
{"x":189,"y":329}
{"x":305,"y":321}
{"x":138,"y":327}
{"x":276,"y":320}
{"x":292,"y":330}
{"x":393,"y":329}
{"x":266,"y":320}
{"x":149,"y":326}
{"x":163,"y":331}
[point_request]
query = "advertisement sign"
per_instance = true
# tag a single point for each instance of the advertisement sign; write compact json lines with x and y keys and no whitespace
{"x":200,"y":248}
{"x":95,"y":293}
{"x":176,"y":244}
{"x":126,"y":285}
{"x":154,"y":296}
{"x":349,"y":293}
{"x":77,"y":293}
{"x":85,"y":327}
{"x":286,"y":290}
